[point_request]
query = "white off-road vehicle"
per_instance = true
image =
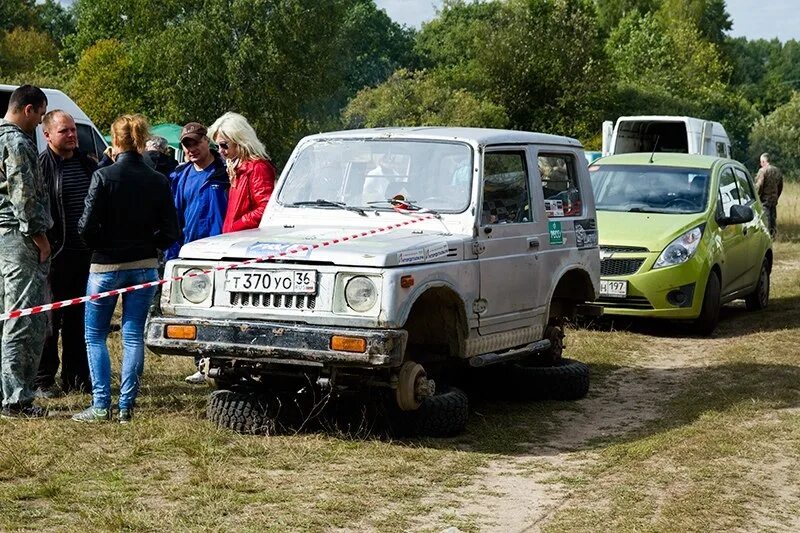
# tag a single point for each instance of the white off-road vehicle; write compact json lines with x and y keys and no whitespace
{"x":498,"y":247}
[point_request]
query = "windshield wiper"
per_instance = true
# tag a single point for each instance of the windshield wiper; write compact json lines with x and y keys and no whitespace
{"x":410,"y":205}
{"x":330,"y":203}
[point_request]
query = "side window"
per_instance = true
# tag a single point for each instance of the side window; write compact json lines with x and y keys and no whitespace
{"x":562,"y":196}
{"x":722,"y":150}
{"x":728,"y":192}
{"x":86,"y":140}
{"x":99,"y":143}
{"x":505,"y":188}
{"x":745,"y":187}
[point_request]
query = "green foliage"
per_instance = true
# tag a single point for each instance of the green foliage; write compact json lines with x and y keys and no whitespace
{"x":611,"y":12}
{"x":421,"y":99}
{"x":23,"y":50}
{"x":102,"y":85}
{"x":779,"y":134}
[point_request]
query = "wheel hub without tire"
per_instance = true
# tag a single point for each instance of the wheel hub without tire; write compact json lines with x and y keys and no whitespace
{"x":413,"y":386}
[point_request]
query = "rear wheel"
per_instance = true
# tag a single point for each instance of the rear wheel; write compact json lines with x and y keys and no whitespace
{"x":759,"y":298}
{"x":706,"y":323}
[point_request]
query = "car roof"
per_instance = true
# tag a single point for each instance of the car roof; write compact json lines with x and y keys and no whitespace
{"x":482,"y":136}
{"x":55,"y":100}
{"x":662,"y":159}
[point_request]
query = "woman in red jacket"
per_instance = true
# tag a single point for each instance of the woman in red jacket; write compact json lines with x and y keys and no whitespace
{"x":250,"y":170}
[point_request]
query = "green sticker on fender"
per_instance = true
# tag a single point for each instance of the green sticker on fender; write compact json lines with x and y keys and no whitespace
{"x":556,"y":235}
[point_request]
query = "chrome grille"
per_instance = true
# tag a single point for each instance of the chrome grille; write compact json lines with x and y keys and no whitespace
{"x":623,"y":249}
{"x":620,"y":267}
{"x":273,"y":301}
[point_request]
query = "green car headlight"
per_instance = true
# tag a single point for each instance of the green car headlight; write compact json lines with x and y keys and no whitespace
{"x":681,"y":249}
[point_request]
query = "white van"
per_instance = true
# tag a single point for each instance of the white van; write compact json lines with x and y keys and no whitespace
{"x":662,"y":133}
{"x":89,"y":138}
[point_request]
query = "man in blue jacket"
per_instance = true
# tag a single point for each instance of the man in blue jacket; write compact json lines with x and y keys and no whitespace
{"x":200,"y":191}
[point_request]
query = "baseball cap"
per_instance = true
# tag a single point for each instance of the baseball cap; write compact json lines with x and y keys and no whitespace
{"x":194,"y":131}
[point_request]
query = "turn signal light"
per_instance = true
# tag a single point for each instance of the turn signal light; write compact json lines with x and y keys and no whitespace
{"x":181,"y":332}
{"x":348,"y":344}
{"x":407,"y":281}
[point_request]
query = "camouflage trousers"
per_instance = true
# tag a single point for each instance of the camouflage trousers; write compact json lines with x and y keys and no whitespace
{"x":22,"y":284}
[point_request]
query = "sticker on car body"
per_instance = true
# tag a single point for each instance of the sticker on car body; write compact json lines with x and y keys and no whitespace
{"x":586,"y":233}
{"x":555,"y":231}
{"x":262,"y":249}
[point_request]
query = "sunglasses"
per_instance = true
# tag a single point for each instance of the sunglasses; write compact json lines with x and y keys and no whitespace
{"x":224,"y":145}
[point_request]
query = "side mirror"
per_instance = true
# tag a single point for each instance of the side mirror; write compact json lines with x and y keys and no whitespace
{"x":739,"y":215}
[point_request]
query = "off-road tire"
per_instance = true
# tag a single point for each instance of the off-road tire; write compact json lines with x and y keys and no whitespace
{"x":444,"y":414}
{"x":759,"y":298}
{"x":567,"y":380}
{"x":706,"y":323}
{"x":243,"y":412}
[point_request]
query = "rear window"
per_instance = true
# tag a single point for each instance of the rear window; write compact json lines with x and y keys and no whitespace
{"x":651,"y":136}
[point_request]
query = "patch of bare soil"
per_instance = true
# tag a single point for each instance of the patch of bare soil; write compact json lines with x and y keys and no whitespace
{"x":519,"y":493}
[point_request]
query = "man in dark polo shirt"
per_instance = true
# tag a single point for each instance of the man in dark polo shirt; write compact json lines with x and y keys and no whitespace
{"x":67,"y":172}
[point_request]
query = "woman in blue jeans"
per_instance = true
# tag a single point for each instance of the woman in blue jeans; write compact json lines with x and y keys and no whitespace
{"x":128,"y":217}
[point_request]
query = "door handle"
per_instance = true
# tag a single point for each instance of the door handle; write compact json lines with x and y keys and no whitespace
{"x":533,"y":242}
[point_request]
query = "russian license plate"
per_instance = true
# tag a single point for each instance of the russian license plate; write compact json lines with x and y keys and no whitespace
{"x":271,"y":281}
{"x":613,"y":288}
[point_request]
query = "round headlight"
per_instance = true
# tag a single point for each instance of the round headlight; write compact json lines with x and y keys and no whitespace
{"x":360,"y":294}
{"x":196,"y":289}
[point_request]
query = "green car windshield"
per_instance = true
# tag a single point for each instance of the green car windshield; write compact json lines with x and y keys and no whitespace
{"x":650,"y":189}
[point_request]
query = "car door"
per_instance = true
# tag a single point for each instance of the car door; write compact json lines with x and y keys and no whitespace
{"x":732,"y":236}
{"x":753,"y":231}
{"x":506,"y":247}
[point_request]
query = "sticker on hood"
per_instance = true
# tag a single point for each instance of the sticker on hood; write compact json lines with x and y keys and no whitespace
{"x":418,"y":255}
{"x":262,"y":249}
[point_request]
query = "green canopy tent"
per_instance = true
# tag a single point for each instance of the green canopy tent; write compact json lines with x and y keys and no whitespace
{"x":171,"y":132}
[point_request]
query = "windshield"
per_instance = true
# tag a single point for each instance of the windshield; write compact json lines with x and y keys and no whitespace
{"x":367,"y":173}
{"x":650,"y":189}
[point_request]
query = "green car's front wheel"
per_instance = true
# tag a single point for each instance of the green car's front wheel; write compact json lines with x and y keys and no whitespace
{"x":706,"y":323}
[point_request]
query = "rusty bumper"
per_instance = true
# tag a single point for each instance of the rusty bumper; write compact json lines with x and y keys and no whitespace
{"x":273,"y":342}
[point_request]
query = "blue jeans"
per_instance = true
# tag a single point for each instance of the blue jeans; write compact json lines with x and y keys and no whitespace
{"x":135,"y":306}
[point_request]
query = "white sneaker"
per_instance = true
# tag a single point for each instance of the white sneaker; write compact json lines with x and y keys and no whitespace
{"x":198,"y":378}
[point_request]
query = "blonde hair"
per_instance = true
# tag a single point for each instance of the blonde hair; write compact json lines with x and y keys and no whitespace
{"x":236,"y":129}
{"x":130,"y":132}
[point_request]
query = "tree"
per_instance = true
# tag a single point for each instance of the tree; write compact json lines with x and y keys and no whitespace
{"x":24,"y":50}
{"x":779,"y":134}
{"x":611,"y":12}
{"x":102,"y":85}
{"x":421,"y":99}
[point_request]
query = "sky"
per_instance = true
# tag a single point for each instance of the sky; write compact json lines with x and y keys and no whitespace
{"x":754,"y":19}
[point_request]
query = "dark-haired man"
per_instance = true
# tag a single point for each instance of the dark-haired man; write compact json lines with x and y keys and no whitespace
{"x":24,"y":250}
{"x":200,"y":191}
{"x":67,"y":172}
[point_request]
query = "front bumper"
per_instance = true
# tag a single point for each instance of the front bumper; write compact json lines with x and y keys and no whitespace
{"x":276,"y":343}
{"x":649,"y":291}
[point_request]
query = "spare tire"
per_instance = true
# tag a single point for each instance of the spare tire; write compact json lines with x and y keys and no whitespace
{"x":243,"y":412}
{"x":444,"y":414}
{"x":567,"y":380}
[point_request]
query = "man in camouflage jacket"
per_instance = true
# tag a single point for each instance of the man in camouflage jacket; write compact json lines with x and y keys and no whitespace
{"x":24,"y":250}
{"x":769,"y":183}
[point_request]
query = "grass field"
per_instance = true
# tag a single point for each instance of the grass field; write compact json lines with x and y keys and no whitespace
{"x":677,"y":434}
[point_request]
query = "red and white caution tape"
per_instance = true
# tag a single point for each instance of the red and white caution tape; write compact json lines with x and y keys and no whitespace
{"x":17,"y":313}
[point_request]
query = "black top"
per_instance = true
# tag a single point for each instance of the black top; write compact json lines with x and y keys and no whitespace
{"x":74,"y":186}
{"x":160,"y":162}
{"x":129,"y":212}
{"x":52,"y":170}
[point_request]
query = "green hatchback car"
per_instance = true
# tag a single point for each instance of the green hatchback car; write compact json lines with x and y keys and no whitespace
{"x":680,"y":235}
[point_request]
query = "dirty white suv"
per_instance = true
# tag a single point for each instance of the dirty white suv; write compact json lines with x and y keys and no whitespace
{"x":497,"y":246}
